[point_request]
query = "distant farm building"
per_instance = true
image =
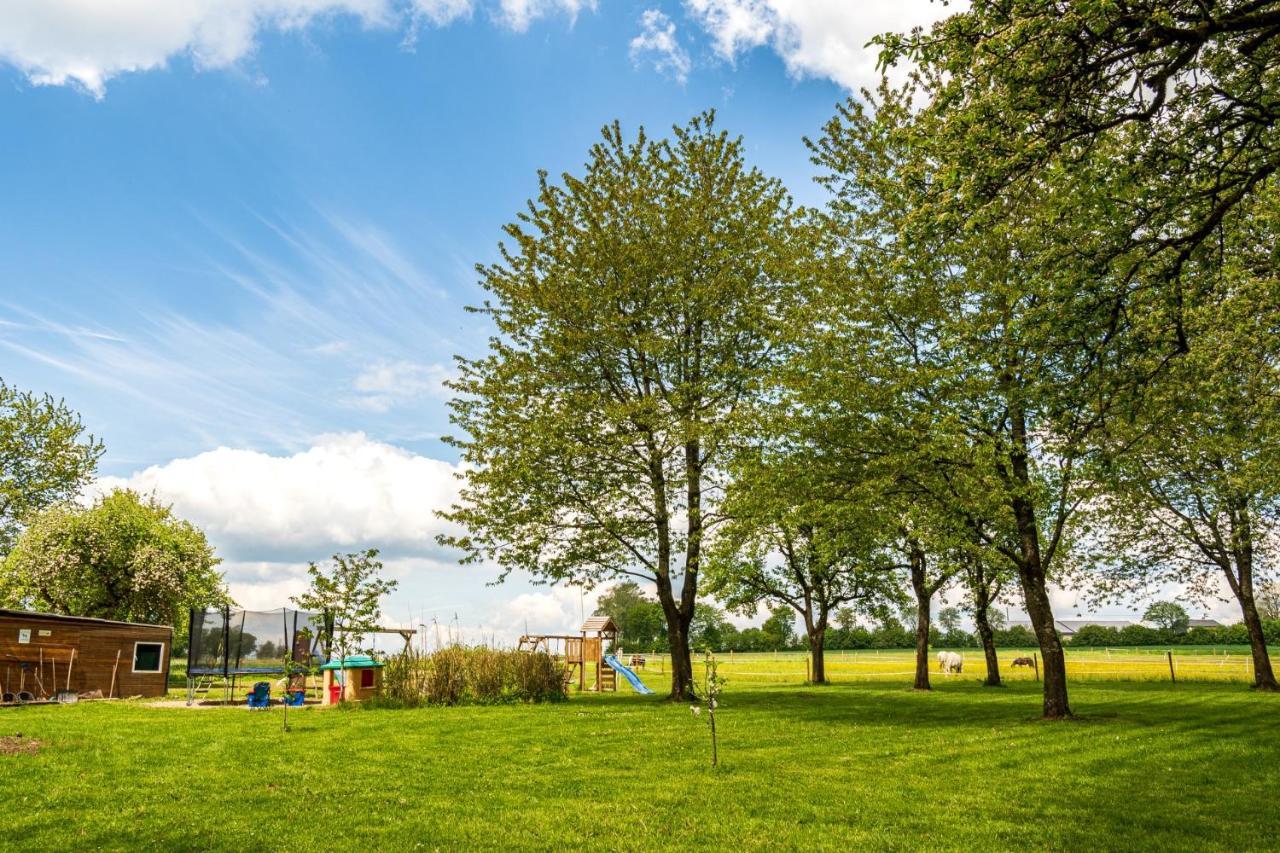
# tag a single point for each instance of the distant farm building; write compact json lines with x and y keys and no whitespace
{"x":1069,"y":627}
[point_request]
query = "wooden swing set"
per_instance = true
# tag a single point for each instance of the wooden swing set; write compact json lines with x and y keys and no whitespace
{"x":576,"y":651}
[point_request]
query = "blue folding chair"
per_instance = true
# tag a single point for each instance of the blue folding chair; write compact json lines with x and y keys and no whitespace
{"x":260,"y":697}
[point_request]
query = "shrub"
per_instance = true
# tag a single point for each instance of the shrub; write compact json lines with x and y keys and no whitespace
{"x":536,"y":677}
{"x":1097,"y":636}
{"x":458,"y":674}
{"x":1141,"y":635}
{"x":404,"y":679}
{"x":485,"y":675}
{"x":1016,"y":637}
{"x":447,"y":678}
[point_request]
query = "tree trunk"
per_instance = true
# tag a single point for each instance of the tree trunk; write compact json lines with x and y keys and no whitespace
{"x":682,"y":685}
{"x":1032,"y":576}
{"x":983,"y":624}
{"x":1263,"y":676}
{"x":921,"y":590}
{"x":678,"y":614}
{"x":678,"y":621}
{"x":817,"y":642}
{"x":1053,"y":661}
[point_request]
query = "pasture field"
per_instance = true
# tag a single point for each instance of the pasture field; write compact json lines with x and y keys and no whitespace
{"x":1190,"y":663}
{"x":861,"y":763}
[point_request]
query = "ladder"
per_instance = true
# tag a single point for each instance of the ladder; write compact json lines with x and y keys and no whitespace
{"x":607,"y":678}
{"x":197,"y":687}
{"x":566,"y":676}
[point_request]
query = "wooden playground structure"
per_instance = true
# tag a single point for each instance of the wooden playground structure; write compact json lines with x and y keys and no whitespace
{"x":576,"y":651}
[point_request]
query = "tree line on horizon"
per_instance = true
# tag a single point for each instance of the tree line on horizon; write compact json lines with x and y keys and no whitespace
{"x":1030,"y":338}
{"x":641,"y":628}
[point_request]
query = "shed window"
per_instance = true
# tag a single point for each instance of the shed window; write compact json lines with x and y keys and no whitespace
{"x":148,"y":657}
{"x":366,"y":678}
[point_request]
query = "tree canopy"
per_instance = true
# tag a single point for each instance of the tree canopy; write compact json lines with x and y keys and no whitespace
{"x":634,"y":308}
{"x":350,"y":589}
{"x":46,"y":457}
{"x":125,"y":557}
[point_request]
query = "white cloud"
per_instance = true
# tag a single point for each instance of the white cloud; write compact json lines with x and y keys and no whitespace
{"x":657,"y":42}
{"x":815,"y":38}
{"x":344,"y":493}
{"x":386,"y":383}
{"x":442,"y":12}
{"x":88,"y":42}
{"x":519,"y":14}
{"x":55,"y":42}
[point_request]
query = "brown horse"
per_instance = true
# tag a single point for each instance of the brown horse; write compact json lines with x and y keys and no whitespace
{"x":1023,"y":662}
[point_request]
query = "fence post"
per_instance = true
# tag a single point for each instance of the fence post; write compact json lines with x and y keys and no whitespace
{"x":807,"y":676}
{"x":1035,"y":660}
{"x":1172,"y":676}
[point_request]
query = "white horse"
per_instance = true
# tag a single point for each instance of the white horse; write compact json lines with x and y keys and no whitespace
{"x":950,"y":662}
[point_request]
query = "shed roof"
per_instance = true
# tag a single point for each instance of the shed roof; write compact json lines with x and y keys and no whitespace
{"x":37,"y":616}
{"x":599,"y":624}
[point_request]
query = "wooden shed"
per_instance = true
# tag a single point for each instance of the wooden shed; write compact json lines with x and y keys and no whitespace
{"x":43,"y":653}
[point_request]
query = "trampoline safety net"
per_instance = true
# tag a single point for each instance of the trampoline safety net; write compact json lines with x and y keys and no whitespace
{"x":244,"y":642}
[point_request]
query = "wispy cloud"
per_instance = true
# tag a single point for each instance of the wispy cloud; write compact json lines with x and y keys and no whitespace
{"x":388,"y":383}
{"x":657,"y":44}
{"x":325,"y":326}
{"x":519,"y":14}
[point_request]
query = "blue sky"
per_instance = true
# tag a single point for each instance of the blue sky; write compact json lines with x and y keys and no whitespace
{"x":239,"y":238}
{"x":184,"y":210}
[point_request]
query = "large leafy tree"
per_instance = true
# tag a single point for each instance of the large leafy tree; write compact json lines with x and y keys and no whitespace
{"x":992,"y":373}
{"x":1167,"y":616}
{"x":1170,"y":108}
{"x":986,"y":575}
{"x":1186,"y":89}
{"x":1195,"y":495}
{"x":786,"y":542}
{"x":46,"y":457}
{"x":126,"y":557}
{"x":634,"y":307}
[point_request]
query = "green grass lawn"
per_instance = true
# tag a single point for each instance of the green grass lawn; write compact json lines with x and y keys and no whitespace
{"x":868,"y":764}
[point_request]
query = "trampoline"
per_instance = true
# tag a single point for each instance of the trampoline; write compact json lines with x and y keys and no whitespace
{"x":227,"y":643}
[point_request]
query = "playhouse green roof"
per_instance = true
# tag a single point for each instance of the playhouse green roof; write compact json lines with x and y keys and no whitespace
{"x":352,"y":662}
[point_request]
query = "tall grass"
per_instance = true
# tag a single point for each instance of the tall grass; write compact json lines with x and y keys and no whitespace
{"x":469,"y":675}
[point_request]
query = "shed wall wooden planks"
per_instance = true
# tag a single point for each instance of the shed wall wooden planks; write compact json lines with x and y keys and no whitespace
{"x":28,"y":640}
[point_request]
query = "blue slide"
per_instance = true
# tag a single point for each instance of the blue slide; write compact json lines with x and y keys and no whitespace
{"x":636,"y":684}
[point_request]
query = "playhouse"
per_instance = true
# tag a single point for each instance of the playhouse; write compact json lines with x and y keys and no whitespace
{"x":592,"y":647}
{"x":351,"y":679}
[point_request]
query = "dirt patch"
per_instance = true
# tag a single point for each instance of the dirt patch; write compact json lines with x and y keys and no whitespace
{"x":18,"y":745}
